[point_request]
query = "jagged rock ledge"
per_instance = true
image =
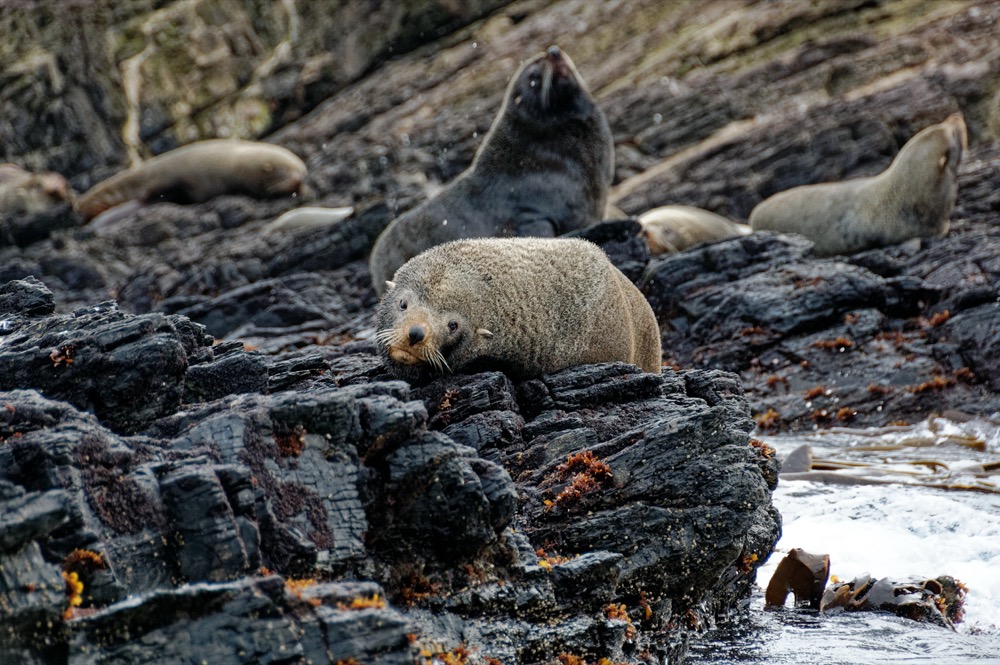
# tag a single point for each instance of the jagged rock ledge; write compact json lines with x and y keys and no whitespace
{"x":157,"y":490}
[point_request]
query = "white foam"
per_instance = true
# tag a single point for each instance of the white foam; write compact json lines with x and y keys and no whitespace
{"x":898,"y":531}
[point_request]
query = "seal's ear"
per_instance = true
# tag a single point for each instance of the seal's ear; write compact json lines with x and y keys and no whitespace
{"x":389,"y":285}
{"x":483,"y":332}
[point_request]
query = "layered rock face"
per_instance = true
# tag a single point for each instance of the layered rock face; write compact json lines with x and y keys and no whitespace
{"x":504,"y":517}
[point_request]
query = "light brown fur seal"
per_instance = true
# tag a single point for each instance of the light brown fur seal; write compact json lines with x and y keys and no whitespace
{"x":198,"y":172}
{"x":913,"y":198}
{"x":25,"y":193}
{"x":544,"y":169}
{"x":672,"y":229}
{"x":527,"y":306}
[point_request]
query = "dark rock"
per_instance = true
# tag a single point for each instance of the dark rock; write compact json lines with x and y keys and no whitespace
{"x":266,"y":303}
{"x":350,"y":481}
{"x":28,"y":297}
{"x":434,"y":483}
{"x":591,"y":578}
{"x":34,"y":600}
{"x":209,"y":539}
{"x":456,"y":398}
{"x":24,"y":229}
{"x":621,"y":241}
{"x":28,"y":517}
{"x":71,"y":357}
{"x":262,"y":619}
{"x":976,"y":331}
{"x":787,"y":323}
{"x":581,"y":387}
{"x":348,"y":241}
{"x":231,"y":371}
{"x":283,"y":374}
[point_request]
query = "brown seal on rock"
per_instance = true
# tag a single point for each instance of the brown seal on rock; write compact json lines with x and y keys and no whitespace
{"x":544,"y":169}
{"x":198,"y":172}
{"x":25,"y":193}
{"x":674,"y":228}
{"x":527,"y":306}
{"x":913,"y":198}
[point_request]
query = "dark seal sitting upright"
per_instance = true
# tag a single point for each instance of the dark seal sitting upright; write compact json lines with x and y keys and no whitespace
{"x":913,"y":198}
{"x":544,"y":169}
{"x":526,"y":306}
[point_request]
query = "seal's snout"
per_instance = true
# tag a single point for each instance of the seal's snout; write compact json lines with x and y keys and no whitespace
{"x":557,"y":62}
{"x":416,"y":335}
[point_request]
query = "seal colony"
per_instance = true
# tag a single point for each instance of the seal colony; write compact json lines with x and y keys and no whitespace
{"x":543,"y":169}
{"x":198,"y":172}
{"x":913,"y":198}
{"x":527,"y":306}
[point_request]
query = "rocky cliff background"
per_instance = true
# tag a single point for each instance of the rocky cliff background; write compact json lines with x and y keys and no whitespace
{"x":226,"y":423}
{"x":717,"y":106}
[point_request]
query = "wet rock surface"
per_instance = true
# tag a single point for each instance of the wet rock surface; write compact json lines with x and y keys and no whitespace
{"x":196,"y":434}
{"x":474,"y":503}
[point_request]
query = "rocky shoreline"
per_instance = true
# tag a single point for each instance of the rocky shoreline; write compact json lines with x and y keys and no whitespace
{"x":504,"y":517}
{"x":196,"y":434}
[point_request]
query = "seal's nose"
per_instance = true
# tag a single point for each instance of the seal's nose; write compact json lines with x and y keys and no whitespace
{"x":416,"y":335}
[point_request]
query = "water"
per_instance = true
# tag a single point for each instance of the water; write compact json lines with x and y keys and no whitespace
{"x":935,"y":512}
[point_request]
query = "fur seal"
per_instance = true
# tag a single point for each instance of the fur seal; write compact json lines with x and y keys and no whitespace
{"x":25,"y":193}
{"x":198,"y":172}
{"x":528,"y":306}
{"x":672,"y":229}
{"x":913,"y":198}
{"x":543,"y":169}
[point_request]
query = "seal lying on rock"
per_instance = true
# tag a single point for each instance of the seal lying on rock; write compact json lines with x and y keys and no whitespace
{"x":913,"y":198}
{"x":672,"y":229}
{"x":198,"y":172}
{"x":543,"y":169}
{"x":25,"y":193}
{"x":526,"y":305}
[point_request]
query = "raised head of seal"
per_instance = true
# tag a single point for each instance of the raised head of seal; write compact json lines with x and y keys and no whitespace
{"x":913,"y":198}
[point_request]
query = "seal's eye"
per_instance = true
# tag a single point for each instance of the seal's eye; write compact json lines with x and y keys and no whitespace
{"x":452,"y":326}
{"x":402,"y":304}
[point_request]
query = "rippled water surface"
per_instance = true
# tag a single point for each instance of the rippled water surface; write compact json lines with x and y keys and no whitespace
{"x":930,"y":506}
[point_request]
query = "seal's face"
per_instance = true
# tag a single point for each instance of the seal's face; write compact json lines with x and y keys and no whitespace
{"x":280,"y":177}
{"x":414,"y":338}
{"x":548,"y":88}
{"x":23,"y":192}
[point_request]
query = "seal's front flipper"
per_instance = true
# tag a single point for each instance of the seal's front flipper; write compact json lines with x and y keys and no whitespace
{"x":536,"y":228}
